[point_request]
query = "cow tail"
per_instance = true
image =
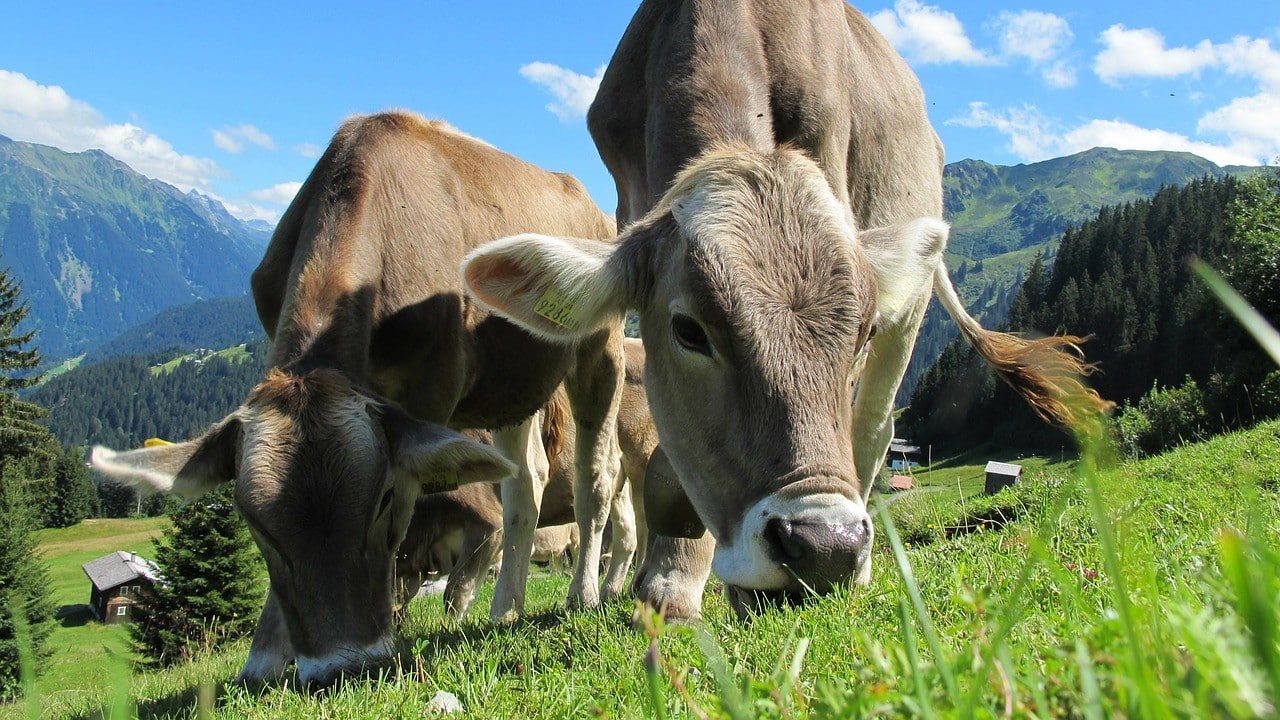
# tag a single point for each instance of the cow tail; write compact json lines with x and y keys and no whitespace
{"x":1047,"y":372}
{"x":555,"y":416}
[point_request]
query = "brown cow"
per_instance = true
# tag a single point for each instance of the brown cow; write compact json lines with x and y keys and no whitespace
{"x":780,"y":188}
{"x":375,"y":349}
{"x":459,"y":532}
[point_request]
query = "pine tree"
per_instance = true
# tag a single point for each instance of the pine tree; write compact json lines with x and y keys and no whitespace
{"x":212,"y":585}
{"x":19,"y":432}
{"x":24,"y":587}
{"x":74,"y":495}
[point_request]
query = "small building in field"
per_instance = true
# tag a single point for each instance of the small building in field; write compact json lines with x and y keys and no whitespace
{"x":899,"y":483}
{"x":120,"y":581}
{"x":1001,"y":475}
{"x":902,"y":455}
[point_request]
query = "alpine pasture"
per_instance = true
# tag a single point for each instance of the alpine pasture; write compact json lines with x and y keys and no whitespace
{"x":1092,"y":589}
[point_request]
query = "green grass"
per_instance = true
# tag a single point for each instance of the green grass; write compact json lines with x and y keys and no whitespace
{"x":82,"y":648}
{"x":1147,"y":589}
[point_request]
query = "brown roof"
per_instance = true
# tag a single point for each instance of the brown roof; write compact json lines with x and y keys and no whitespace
{"x":902,"y":482}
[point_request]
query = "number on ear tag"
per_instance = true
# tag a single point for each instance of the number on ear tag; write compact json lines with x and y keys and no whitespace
{"x":554,"y":306}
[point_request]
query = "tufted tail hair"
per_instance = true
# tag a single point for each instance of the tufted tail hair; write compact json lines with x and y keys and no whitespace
{"x":1047,"y":372}
{"x":555,"y":420}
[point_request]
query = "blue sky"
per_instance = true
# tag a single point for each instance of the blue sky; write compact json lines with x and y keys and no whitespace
{"x":236,"y":99}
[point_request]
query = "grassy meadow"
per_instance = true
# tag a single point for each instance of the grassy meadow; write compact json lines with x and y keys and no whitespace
{"x":1090,"y":590}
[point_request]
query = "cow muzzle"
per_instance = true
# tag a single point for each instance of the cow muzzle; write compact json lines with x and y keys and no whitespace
{"x":321,"y":672}
{"x":796,"y":544}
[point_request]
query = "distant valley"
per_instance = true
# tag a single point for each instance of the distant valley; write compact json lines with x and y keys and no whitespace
{"x":114,"y":264}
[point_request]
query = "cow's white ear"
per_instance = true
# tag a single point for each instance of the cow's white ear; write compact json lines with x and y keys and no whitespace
{"x":188,"y":469}
{"x":440,"y":459}
{"x":556,"y":288}
{"x":904,"y":258}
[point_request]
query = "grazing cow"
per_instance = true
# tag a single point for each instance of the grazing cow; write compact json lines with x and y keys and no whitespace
{"x":459,"y":532}
{"x":375,"y":350}
{"x":780,"y":187}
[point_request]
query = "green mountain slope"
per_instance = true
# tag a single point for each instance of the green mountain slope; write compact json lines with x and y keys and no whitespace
{"x":1003,"y":216}
{"x":997,"y":209}
{"x":99,"y":248}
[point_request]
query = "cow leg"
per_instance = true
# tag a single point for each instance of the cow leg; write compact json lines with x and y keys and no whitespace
{"x":674,"y":575}
{"x":635,"y":488}
{"x":480,"y":548}
{"x":521,"y":502}
{"x":271,"y":651}
{"x":594,"y":386}
{"x":873,"y":408}
{"x":623,"y":546}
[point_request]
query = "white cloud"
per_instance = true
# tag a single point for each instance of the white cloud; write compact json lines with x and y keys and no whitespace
{"x":250,"y":211}
{"x":1059,"y":74}
{"x":1250,"y":124}
{"x":927,"y":34}
{"x":1141,"y":53}
{"x":233,"y":139}
{"x":308,"y":150}
{"x":1034,"y":35}
{"x":1034,"y":137}
{"x":46,"y":114}
{"x":278,"y":194}
{"x":1030,"y":135}
{"x":1040,"y":38}
{"x":573,"y":91}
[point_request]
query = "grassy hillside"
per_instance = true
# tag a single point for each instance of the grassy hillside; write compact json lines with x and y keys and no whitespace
{"x":85,"y":650}
{"x":1146,"y":590}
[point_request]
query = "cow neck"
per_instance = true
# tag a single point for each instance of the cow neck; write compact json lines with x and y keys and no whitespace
{"x":333,"y":335}
{"x":727,"y":79}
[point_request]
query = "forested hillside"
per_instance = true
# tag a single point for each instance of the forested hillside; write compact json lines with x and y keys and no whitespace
{"x":1002,"y":217}
{"x":122,"y":402}
{"x":216,"y":323}
{"x":99,"y":248}
{"x":1123,"y":278}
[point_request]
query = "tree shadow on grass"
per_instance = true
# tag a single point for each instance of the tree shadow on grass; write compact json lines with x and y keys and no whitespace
{"x":69,"y":616}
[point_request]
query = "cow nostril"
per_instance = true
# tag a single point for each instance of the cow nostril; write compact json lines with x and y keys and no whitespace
{"x":781,"y":538}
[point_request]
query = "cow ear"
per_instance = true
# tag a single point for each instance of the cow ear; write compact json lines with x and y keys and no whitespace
{"x":904,"y":258}
{"x":561,"y":289}
{"x":438,"y":458}
{"x":188,"y":469}
{"x":667,"y":507}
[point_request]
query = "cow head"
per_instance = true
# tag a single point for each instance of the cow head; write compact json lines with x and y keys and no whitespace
{"x":758,"y":301}
{"x":326,"y":477}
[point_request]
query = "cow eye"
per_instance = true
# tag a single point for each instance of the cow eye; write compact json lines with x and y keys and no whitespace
{"x":690,"y":335}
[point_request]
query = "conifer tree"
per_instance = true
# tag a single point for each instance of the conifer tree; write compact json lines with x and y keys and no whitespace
{"x":24,"y":586}
{"x":212,"y":587}
{"x":19,"y":432}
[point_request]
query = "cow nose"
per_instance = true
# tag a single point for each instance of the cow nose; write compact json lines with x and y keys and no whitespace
{"x":821,"y":554}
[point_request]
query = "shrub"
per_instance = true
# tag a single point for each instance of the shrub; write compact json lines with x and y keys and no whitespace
{"x":1164,"y":418}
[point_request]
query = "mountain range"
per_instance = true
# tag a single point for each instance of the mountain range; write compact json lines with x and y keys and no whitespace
{"x":114,"y":263}
{"x":99,"y":248}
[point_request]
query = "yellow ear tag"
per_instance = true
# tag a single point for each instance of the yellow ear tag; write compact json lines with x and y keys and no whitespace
{"x":439,"y":479}
{"x":155,"y":442}
{"x":554,"y":306}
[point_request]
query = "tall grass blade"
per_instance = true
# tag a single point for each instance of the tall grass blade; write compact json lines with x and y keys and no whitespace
{"x":921,"y":611}
{"x":1251,"y":591}
{"x":653,"y":680}
{"x":732,"y":698}
{"x":1148,"y":702}
{"x":1251,"y":319}
{"x":1092,"y":697}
